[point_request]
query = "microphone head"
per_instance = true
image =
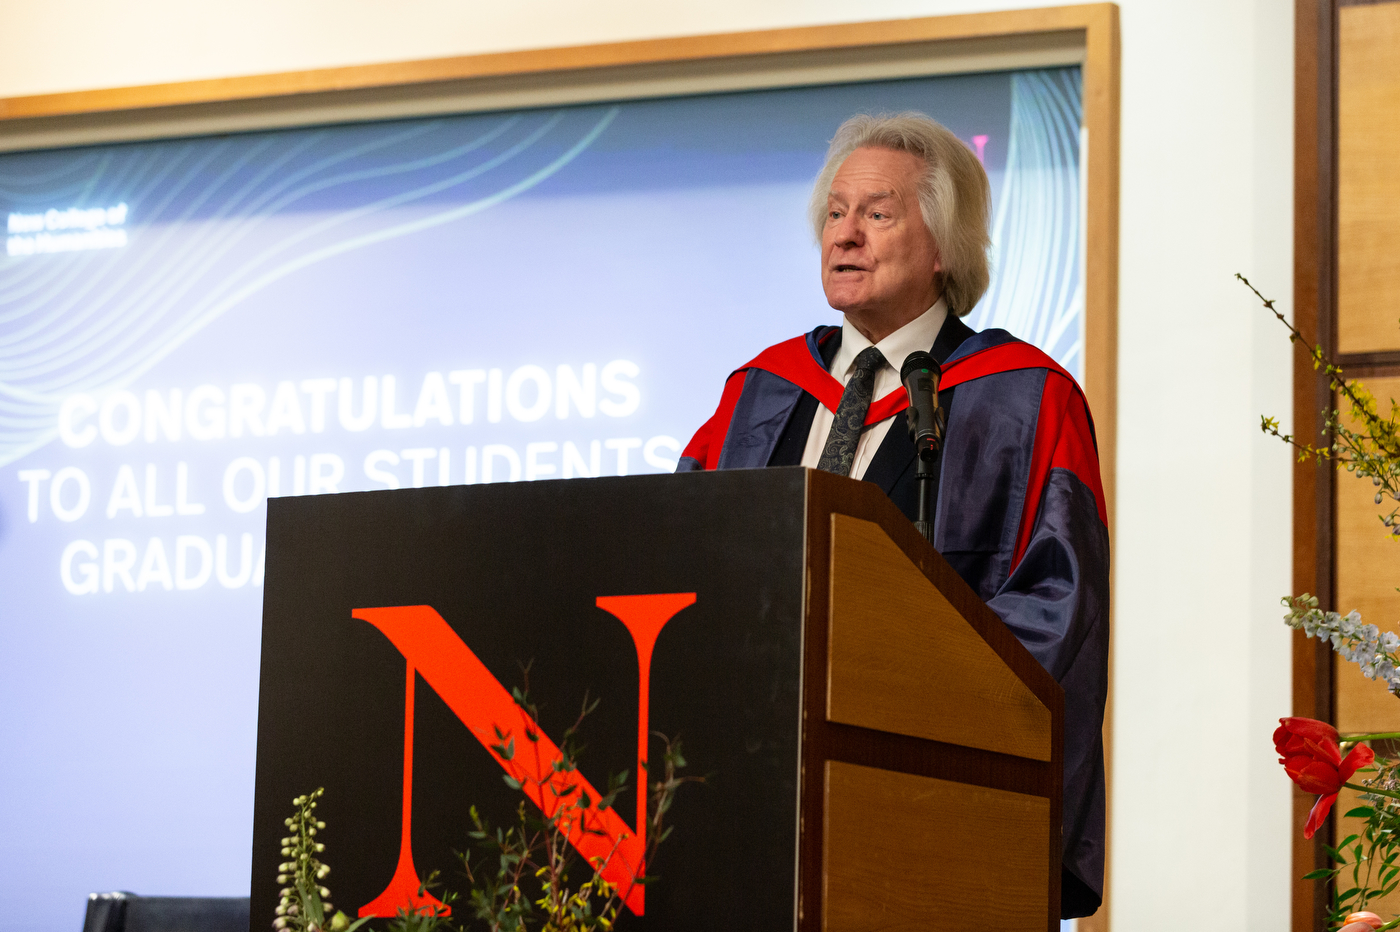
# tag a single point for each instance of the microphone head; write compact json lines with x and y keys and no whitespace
{"x":919,"y":360}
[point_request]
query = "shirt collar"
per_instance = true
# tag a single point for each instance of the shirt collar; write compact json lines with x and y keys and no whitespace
{"x":919,"y":334}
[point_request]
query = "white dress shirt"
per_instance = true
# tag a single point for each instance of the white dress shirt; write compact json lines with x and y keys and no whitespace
{"x":918,"y":334}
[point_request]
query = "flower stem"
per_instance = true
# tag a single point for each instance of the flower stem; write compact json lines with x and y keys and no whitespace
{"x":1382,"y":736}
{"x":1371,"y":790}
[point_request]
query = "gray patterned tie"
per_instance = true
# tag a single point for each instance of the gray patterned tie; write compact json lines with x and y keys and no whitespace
{"x":840,"y":452}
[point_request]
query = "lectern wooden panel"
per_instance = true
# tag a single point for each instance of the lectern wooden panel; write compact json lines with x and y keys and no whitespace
{"x":882,"y":876}
{"x":880,"y":599}
{"x":881,"y":752}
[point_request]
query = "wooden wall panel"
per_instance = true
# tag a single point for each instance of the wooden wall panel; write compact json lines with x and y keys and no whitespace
{"x":1368,"y":166}
{"x":1368,"y":571}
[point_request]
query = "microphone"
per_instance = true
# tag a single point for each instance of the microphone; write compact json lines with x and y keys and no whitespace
{"x":920,"y":374}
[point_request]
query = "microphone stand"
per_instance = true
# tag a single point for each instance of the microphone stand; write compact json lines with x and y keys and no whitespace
{"x":925,"y":476}
{"x":920,"y":375}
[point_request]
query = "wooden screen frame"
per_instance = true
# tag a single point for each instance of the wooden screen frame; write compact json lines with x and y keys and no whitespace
{"x":1087,"y":34}
{"x":1315,"y":313}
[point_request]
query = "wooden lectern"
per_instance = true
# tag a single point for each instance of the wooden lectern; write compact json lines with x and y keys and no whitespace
{"x":880,"y":751}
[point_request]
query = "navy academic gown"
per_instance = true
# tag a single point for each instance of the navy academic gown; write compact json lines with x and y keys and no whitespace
{"x":1020,"y":515}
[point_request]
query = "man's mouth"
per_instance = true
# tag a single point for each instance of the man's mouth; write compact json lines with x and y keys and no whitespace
{"x":848,"y":268}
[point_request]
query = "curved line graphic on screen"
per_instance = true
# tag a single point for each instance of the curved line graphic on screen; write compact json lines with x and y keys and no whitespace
{"x":1037,"y":289}
{"x":186,"y":277}
{"x":82,"y":168}
{"x":96,"y":321}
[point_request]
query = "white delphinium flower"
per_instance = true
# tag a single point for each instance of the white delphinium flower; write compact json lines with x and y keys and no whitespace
{"x":1374,"y":651}
{"x":305,"y":905}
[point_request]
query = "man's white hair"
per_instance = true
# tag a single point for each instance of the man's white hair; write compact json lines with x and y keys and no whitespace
{"x":954,"y":195}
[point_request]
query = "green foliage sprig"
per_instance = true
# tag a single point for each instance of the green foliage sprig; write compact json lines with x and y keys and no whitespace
{"x":428,"y":917}
{"x":1372,"y":451}
{"x":522,"y":872}
{"x":1371,"y":854}
{"x":524,"y":877}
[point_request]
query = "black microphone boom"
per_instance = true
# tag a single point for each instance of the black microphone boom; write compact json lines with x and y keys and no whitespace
{"x":920,"y":375}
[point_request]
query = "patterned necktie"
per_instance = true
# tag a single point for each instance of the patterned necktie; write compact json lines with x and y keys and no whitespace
{"x":840,"y":452}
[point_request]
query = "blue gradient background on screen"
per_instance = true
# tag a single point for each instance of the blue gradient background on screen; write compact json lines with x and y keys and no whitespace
{"x":669,"y":235}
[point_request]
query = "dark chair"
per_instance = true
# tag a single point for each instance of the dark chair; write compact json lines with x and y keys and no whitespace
{"x":127,"y":912}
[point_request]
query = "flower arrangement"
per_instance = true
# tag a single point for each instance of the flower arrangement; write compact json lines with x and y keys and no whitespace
{"x":1366,"y":864}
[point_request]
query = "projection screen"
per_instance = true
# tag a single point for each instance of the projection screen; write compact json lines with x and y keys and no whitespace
{"x":191,"y":326}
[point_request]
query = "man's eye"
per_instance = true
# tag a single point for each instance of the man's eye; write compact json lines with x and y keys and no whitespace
{"x":834,"y":215}
{"x":878,"y":215}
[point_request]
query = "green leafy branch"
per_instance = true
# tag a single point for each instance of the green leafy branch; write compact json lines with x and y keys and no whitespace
{"x":536,"y":852}
{"x":1370,"y":858}
{"x":1372,"y":452}
{"x":524,"y":875}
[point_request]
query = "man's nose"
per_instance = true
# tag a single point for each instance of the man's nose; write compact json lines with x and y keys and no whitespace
{"x":850,"y":231}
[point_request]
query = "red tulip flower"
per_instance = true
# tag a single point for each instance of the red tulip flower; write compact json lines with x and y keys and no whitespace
{"x":1363,"y":920}
{"x":1309,"y":751}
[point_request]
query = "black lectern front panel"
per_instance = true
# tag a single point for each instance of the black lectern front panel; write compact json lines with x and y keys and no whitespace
{"x":516,"y":572}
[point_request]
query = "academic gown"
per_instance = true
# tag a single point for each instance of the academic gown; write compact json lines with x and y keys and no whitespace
{"x":1019,"y":513}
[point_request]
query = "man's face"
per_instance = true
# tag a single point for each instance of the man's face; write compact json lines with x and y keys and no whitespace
{"x":879,"y":261}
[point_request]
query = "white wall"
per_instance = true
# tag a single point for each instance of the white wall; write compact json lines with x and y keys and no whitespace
{"x":1200,"y":808}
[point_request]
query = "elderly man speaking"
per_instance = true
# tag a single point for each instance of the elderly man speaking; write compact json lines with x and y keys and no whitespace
{"x":901,"y":213}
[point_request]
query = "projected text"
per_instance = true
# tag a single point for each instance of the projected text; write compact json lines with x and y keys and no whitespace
{"x":347,"y":412}
{"x":71,"y":230}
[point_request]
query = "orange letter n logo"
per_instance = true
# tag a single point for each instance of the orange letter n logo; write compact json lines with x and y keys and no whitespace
{"x":432,"y":649}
